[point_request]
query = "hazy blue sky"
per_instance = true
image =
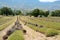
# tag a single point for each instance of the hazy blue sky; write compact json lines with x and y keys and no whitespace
{"x":30,"y":3}
{"x":48,"y":0}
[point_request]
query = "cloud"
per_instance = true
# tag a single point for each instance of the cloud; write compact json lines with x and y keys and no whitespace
{"x":48,"y":0}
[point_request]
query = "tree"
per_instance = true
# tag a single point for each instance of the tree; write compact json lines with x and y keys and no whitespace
{"x":6,"y":11}
{"x":56,"y":13}
{"x":41,"y":13}
{"x":0,"y":11}
{"x":18,"y":12}
{"x":46,"y":13}
{"x":35,"y":12}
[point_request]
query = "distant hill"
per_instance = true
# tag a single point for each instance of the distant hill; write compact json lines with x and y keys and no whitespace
{"x":30,"y":4}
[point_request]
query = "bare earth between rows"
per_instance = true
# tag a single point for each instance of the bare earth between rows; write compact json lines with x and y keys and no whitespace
{"x":3,"y":32}
{"x":30,"y":35}
{"x":33,"y":35}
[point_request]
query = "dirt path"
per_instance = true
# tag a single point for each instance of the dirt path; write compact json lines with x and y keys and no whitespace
{"x":33,"y":35}
{"x":3,"y":32}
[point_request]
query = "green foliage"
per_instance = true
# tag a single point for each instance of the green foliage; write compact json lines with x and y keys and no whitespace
{"x":0,"y":11}
{"x":8,"y":11}
{"x":37,"y":12}
{"x":17,"y":12}
{"x":46,"y":13}
{"x":17,"y":35}
{"x":56,"y":13}
{"x":41,"y":13}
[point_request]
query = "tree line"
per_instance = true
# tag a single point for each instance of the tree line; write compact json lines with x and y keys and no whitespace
{"x":8,"y":11}
{"x":45,"y":13}
{"x":36,"y":12}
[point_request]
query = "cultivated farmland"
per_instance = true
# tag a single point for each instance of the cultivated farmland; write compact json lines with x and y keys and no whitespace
{"x":29,"y":28}
{"x":49,"y":26}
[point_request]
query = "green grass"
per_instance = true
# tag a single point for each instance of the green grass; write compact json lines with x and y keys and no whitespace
{"x":47,"y":31}
{"x":49,"y":24}
{"x":49,"y":28}
{"x":4,"y":19}
{"x":7,"y":23}
{"x":17,"y":35}
{"x":51,"y":32}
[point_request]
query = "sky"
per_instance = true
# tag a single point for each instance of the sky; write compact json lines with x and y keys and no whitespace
{"x":25,"y":4}
{"x":48,"y":0}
